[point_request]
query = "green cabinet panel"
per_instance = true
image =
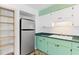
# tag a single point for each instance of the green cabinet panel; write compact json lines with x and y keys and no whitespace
{"x":75,"y":51}
{"x":57,"y":47}
{"x":66,"y":44}
{"x":41,"y":43}
{"x":58,"y":51}
{"x":75,"y":48}
{"x":38,"y":42}
{"x":51,"y":47}
{"x":44,"y":41}
{"x":63,"y":51}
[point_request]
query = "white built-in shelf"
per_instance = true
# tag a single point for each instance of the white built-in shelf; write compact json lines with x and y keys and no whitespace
{"x":6,"y":16}
{"x":6,"y":23}
{"x":7,"y":31}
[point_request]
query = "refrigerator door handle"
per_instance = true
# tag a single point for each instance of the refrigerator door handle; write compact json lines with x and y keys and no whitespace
{"x":27,"y":29}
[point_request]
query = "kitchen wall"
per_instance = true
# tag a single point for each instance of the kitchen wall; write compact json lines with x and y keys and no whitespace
{"x":46,"y":21}
{"x":70,"y":14}
{"x":17,"y":8}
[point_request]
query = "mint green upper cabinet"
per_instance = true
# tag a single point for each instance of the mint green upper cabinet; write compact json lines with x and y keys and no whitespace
{"x":75,"y":48}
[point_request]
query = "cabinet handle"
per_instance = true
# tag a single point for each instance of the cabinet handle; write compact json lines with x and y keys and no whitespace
{"x":40,"y":40}
{"x":72,"y":24}
{"x":43,"y":39}
{"x":57,"y":45}
{"x":72,"y":15}
{"x":77,"y":46}
{"x":71,"y":50}
{"x":47,"y":50}
{"x":72,"y":8}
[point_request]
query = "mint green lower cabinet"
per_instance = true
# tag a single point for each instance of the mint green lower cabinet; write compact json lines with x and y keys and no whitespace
{"x":55,"y":46}
{"x":75,"y":51}
{"x":58,"y":47}
{"x":75,"y":48}
{"x":51,"y":46}
{"x":41,"y":43}
{"x":59,"y":51}
{"x":44,"y":42}
{"x":64,"y":47}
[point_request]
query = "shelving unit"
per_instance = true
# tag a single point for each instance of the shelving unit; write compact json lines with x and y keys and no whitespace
{"x":7,"y":31}
{"x":6,"y":23}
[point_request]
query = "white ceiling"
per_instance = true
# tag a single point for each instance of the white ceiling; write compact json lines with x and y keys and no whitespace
{"x":39,"y":6}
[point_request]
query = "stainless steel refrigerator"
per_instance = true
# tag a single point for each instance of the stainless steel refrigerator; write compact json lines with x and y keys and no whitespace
{"x":27,"y":36}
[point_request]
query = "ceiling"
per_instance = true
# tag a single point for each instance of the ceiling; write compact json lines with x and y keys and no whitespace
{"x":39,"y":6}
{"x":48,"y":8}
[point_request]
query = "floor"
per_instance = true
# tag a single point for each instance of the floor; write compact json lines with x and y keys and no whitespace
{"x":10,"y":53}
{"x":38,"y":52}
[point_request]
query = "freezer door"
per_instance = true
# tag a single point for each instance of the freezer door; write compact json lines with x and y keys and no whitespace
{"x":27,"y":42}
{"x":27,"y":24}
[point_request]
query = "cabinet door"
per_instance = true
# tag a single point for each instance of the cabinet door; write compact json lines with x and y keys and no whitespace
{"x":41,"y":43}
{"x":64,"y":47}
{"x":51,"y":46}
{"x":44,"y":44}
{"x":59,"y":47}
{"x":75,"y":48}
{"x":38,"y":42}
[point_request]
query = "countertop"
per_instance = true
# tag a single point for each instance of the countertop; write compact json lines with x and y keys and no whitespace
{"x":59,"y":34}
{"x":48,"y":35}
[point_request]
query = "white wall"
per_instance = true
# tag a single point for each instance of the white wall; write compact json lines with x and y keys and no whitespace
{"x":17,"y":8}
{"x":45,"y":21}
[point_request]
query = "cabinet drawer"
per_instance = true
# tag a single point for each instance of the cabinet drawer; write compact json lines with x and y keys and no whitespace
{"x":60,"y":42}
{"x":75,"y":48}
{"x":75,"y":51}
{"x":57,"y":47}
{"x":51,"y":40}
{"x":63,"y":43}
{"x":75,"y":45}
